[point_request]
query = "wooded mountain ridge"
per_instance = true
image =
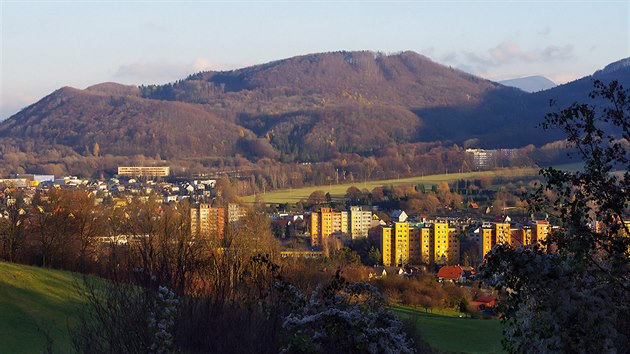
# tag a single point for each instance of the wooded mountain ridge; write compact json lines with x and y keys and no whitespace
{"x":303,"y":109}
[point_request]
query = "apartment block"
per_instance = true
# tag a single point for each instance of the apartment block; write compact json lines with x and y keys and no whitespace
{"x":540,"y":230}
{"x":491,"y":234}
{"x":360,"y":222}
{"x":417,"y":243}
{"x":327,"y":222}
{"x":446,"y":244}
{"x":143,"y":171}
{"x":207,"y":222}
{"x":235,"y":212}
{"x":395,"y":244}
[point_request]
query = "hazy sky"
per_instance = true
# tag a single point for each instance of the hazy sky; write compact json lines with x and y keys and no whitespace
{"x":50,"y":44}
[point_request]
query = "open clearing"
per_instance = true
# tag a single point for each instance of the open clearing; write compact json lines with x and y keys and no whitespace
{"x":446,"y":331}
{"x":35,"y":301}
{"x":337,"y":191}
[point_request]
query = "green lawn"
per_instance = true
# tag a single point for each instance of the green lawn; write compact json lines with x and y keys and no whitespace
{"x":33,"y":301}
{"x":446,"y":331}
{"x":338,"y":191}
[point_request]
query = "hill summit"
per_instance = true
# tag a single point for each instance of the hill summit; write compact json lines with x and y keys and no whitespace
{"x":306,"y":108}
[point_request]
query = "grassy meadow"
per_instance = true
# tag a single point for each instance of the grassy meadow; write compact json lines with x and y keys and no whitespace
{"x":337,"y":191}
{"x":33,"y":302}
{"x":446,"y":331}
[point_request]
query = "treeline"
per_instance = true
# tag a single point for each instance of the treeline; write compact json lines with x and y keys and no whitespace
{"x":168,"y":292}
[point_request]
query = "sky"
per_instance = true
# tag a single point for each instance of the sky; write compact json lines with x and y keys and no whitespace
{"x":46,"y":45}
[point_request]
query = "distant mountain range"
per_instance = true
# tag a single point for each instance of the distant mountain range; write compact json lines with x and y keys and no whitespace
{"x":530,"y":83}
{"x":305,"y":108}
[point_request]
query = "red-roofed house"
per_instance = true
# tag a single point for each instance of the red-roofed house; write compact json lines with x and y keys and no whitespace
{"x":452,"y":274}
{"x":484,"y":302}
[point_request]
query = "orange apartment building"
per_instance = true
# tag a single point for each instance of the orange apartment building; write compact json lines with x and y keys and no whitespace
{"x":207,"y":222}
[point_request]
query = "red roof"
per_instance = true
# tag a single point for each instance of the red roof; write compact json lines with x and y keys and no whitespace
{"x":485,"y":299}
{"x":450,"y":272}
{"x":483,"y":302}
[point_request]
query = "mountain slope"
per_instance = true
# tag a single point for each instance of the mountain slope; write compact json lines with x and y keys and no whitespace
{"x":502,"y":120}
{"x":408,"y":79}
{"x":305,"y":108}
{"x":121,"y":125}
{"x":312,"y":106}
{"x":33,"y":301}
{"x":530,"y":83}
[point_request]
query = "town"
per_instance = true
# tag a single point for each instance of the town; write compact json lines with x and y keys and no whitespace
{"x":396,"y":239}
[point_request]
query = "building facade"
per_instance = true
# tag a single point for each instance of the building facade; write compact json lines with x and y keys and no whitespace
{"x":144,"y":171}
{"x":207,"y":222}
{"x":360,"y":222}
{"x":327,"y":222}
{"x":235,"y":212}
{"x":417,"y":243}
{"x":491,"y":234}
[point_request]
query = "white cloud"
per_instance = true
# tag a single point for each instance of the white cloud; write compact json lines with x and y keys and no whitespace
{"x":161,"y":71}
{"x":508,"y":52}
{"x":509,"y":60}
{"x":553,"y":52}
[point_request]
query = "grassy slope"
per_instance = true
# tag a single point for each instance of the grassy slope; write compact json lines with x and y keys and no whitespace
{"x":34,"y":300}
{"x":339,"y":190}
{"x":447,"y":332}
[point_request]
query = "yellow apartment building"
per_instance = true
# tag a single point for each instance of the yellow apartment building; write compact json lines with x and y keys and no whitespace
{"x":541,"y":229}
{"x":490,"y":235}
{"x":403,"y":243}
{"x":395,"y":244}
{"x":446,"y":244}
{"x":327,"y":222}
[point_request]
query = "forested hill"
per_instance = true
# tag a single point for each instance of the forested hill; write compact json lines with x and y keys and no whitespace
{"x":504,"y":120}
{"x":120,"y":124}
{"x":305,"y":108}
{"x":406,"y":79}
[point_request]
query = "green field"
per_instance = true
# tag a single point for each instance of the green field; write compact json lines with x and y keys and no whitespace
{"x":338,"y":191}
{"x":34,"y":301}
{"x":446,"y":331}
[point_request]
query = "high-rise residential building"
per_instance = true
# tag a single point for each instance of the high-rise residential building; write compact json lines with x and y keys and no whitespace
{"x":502,"y":232}
{"x":395,"y":244}
{"x":491,"y":234}
{"x":207,"y":222}
{"x":427,"y":243}
{"x":522,"y":236}
{"x":540,"y":230}
{"x":235,"y":212}
{"x":387,"y":245}
{"x":446,"y":244}
{"x":486,"y":240}
{"x":327,"y":222}
{"x":360,"y":222}
{"x":416,"y":243}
